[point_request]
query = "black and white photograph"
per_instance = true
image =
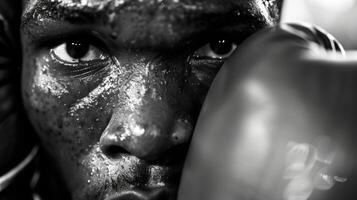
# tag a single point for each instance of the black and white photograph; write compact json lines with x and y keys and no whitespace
{"x":178,"y":99}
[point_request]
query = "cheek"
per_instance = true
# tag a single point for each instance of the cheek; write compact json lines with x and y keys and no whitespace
{"x":49,"y":101}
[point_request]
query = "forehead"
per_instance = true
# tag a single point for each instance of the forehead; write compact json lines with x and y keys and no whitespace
{"x":165,"y":20}
{"x":127,"y":5}
{"x":154,"y":6}
{"x":122,"y":3}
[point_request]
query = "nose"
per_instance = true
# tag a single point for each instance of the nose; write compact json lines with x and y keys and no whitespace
{"x":151,"y":138}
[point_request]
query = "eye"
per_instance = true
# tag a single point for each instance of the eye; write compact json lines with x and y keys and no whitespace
{"x":78,"y":58}
{"x":77,"y":51}
{"x":219,"y":49}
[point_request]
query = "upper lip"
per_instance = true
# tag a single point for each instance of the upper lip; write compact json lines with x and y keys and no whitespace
{"x":137,"y":194}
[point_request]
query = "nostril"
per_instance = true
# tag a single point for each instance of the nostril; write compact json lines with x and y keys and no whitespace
{"x":182,"y":132}
{"x":114,"y":151}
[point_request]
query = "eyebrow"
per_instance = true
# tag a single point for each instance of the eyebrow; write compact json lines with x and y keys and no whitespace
{"x":58,"y":10}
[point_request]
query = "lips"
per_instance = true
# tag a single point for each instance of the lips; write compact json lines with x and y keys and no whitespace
{"x":156,"y":194}
{"x":162,"y":184}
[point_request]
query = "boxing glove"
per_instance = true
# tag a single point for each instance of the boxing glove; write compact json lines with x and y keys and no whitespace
{"x":279,"y":122}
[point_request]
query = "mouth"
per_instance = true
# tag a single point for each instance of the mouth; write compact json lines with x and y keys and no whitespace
{"x":131,"y":178}
{"x":137,"y":194}
{"x":146,"y":181}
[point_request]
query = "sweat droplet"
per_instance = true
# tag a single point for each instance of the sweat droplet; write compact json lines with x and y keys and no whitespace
{"x":138,"y":130}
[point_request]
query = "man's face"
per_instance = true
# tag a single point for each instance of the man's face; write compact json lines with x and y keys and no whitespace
{"x":114,"y":87}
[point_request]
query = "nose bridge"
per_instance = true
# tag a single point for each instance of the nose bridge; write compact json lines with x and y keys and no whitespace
{"x":153,"y":79}
{"x":148,"y":101}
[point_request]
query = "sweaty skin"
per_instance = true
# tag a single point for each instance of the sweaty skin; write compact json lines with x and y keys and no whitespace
{"x":115,"y":121}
